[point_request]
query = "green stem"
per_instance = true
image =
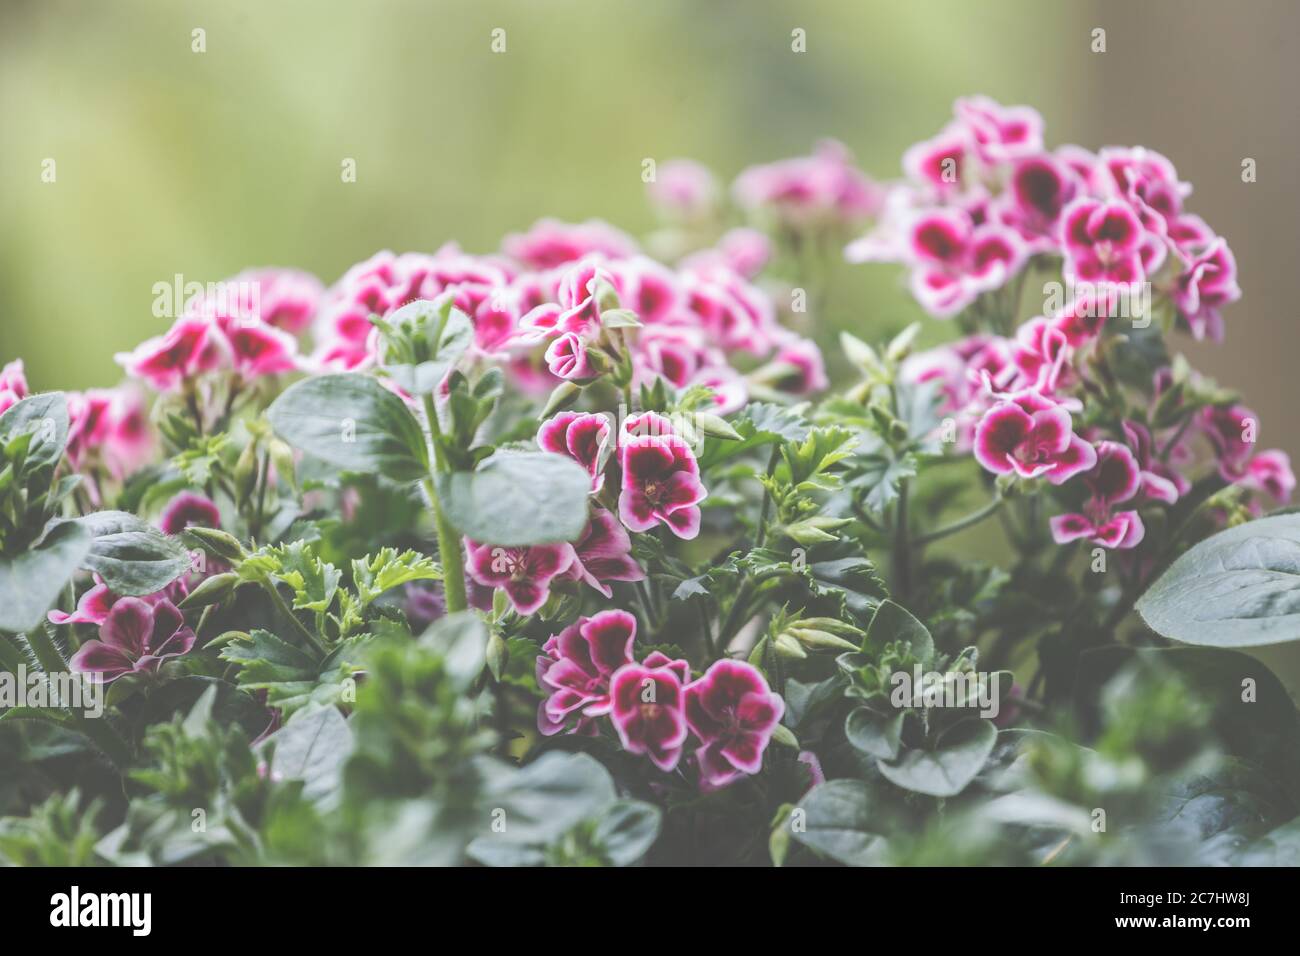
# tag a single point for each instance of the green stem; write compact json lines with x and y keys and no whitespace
{"x":46,"y":652}
{"x":284,"y":609}
{"x":449,"y":549}
{"x":975,"y":517}
{"x":902,"y":543}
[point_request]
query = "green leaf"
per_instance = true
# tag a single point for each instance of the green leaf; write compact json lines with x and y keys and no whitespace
{"x":131,"y":556}
{"x":958,"y":756}
{"x":386,"y":569}
{"x":875,"y":734}
{"x":893,"y":623}
{"x":877,"y":478}
{"x":545,"y":799}
{"x":462,"y":639}
{"x":517,"y":499}
{"x":45,"y":417}
{"x":291,"y":676}
{"x":1238,"y":588}
{"x":31,"y":582}
{"x":420,"y":343}
{"x":627,"y":831}
{"x":842,"y":821}
{"x":314,"y":582}
{"x":353,"y":423}
{"x":312,"y":747}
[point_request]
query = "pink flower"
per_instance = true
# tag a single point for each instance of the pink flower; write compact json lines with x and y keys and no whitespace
{"x":1270,"y":472}
{"x":1042,"y":353}
{"x":92,"y":607}
{"x":742,"y":251}
{"x":1040,"y":189}
{"x":577,"y":665}
{"x":525,"y":574}
{"x":582,"y":436}
{"x":808,"y":373}
{"x":816,"y":775}
{"x":257,"y":349}
{"x":940,"y":163}
{"x":661,"y":484}
{"x":647,"y":709}
{"x":954,"y":260}
{"x":187,"y":510}
{"x":552,"y":243}
{"x":13,"y":385}
{"x":1082,"y":318}
{"x":1000,"y":133}
{"x":567,"y":358}
{"x":734,"y":713}
{"x":1207,"y":283}
{"x":737,"y":314}
{"x":1103,"y":242}
{"x":1032,"y":436}
{"x":811,"y":189}
{"x":136,"y":637}
{"x":284,"y":298}
{"x":683,"y":189}
{"x":604,"y":553}
{"x":649,"y":289}
{"x":1114,"y":478}
{"x":378,"y":286}
{"x":1232,"y":431}
{"x":1158,"y":482}
{"x":189,"y":347}
{"x":1148,"y":182}
{"x":676,"y":352}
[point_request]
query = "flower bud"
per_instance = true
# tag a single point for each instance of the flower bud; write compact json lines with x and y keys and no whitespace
{"x":212,"y":590}
{"x":218,"y":543}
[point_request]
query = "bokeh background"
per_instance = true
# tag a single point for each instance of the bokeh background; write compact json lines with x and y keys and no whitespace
{"x":172,"y":162}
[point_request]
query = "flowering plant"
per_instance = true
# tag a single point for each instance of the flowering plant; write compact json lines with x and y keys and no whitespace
{"x":571,"y":554}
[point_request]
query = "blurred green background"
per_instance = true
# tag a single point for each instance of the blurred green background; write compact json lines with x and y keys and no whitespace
{"x":171,"y":161}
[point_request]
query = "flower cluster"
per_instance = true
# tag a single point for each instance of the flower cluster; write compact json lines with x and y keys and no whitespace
{"x":590,"y":670}
{"x":541,"y":308}
{"x":246,"y":326}
{"x":985,"y":198}
{"x":985,"y":207}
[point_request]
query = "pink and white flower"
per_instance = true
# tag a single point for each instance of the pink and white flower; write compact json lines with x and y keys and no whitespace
{"x":661,"y":485}
{"x":734,"y":713}
{"x":577,"y":664}
{"x":524,"y":573}
{"x":604,"y":554}
{"x":136,"y":637}
{"x":1032,"y":436}
{"x":582,"y":436}
{"x":647,"y":709}
{"x":1113,"y":479}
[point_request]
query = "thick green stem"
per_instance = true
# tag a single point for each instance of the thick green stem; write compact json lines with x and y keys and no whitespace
{"x":449,"y":549}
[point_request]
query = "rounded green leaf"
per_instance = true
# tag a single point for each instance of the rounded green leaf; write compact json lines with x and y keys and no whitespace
{"x":518,"y":499}
{"x":131,"y":556}
{"x":353,"y":423}
{"x":46,"y":417}
{"x":30,"y":582}
{"x":876,"y":734}
{"x":959,"y":755}
{"x":841,"y":819}
{"x":1238,"y":588}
